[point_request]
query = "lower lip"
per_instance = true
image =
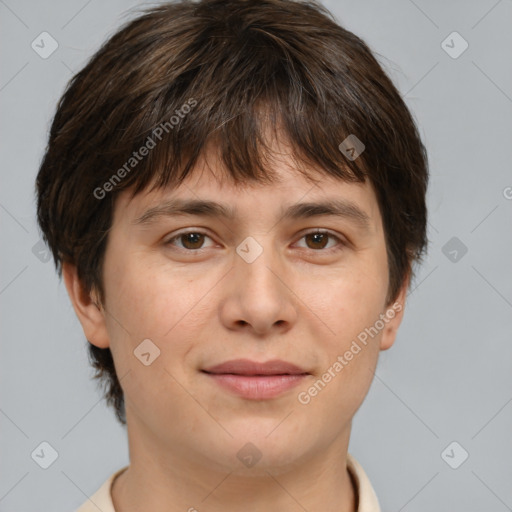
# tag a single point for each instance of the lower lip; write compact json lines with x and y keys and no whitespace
{"x":257,"y":387}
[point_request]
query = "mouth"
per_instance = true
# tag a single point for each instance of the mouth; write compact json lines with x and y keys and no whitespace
{"x":256,"y":381}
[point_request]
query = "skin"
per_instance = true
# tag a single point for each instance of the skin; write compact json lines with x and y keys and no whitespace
{"x":297,"y":301}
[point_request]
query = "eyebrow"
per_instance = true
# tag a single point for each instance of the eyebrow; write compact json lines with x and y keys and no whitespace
{"x":341,"y":208}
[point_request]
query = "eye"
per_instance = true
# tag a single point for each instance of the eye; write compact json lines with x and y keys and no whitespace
{"x":191,"y":240}
{"x":318,"y":240}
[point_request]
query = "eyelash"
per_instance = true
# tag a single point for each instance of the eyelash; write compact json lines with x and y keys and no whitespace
{"x":340,"y":245}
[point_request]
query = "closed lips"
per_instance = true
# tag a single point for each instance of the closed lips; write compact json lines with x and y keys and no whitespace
{"x":253,"y":368}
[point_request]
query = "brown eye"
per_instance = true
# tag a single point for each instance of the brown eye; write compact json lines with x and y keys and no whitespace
{"x":318,"y":241}
{"x":190,"y":240}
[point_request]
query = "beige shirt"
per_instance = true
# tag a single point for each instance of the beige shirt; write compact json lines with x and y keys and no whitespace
{"x":368,"y":502}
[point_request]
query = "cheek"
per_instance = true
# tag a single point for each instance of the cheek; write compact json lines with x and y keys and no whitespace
{"x":347,"y":302}
{"x":148,"y":303}
{"x":159,"y":303}
{"x":335,"y":395}
{"x":350,"y":348}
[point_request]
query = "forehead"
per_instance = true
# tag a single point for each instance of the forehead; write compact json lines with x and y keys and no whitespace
{"x":211,"y":191}
{"x":209,"y":180}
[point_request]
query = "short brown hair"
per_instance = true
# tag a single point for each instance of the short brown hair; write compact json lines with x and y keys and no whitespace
{"x":238,"y":66}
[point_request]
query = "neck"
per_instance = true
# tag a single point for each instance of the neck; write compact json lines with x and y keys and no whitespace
{"x":172,"y":481}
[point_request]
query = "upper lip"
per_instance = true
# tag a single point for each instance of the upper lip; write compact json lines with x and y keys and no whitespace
{"x":248,"y":367}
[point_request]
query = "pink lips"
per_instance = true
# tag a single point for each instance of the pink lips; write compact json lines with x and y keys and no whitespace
{"x":256,"y":381}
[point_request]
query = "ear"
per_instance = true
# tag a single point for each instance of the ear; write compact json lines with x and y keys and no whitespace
{"x":394,"y":314}
{"x":89,"y":312}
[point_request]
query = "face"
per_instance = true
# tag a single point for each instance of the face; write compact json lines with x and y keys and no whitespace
{"x":186,"y":292}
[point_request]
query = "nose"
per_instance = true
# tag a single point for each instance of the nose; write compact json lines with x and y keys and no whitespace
{"x":258,"y":297}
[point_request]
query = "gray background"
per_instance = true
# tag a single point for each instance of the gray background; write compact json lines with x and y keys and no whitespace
{"x":449,"y":375}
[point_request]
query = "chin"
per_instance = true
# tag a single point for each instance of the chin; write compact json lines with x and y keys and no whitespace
{"x":266,"y":444}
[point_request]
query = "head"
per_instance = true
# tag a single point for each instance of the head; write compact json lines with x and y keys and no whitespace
{"x":252,"y":104}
